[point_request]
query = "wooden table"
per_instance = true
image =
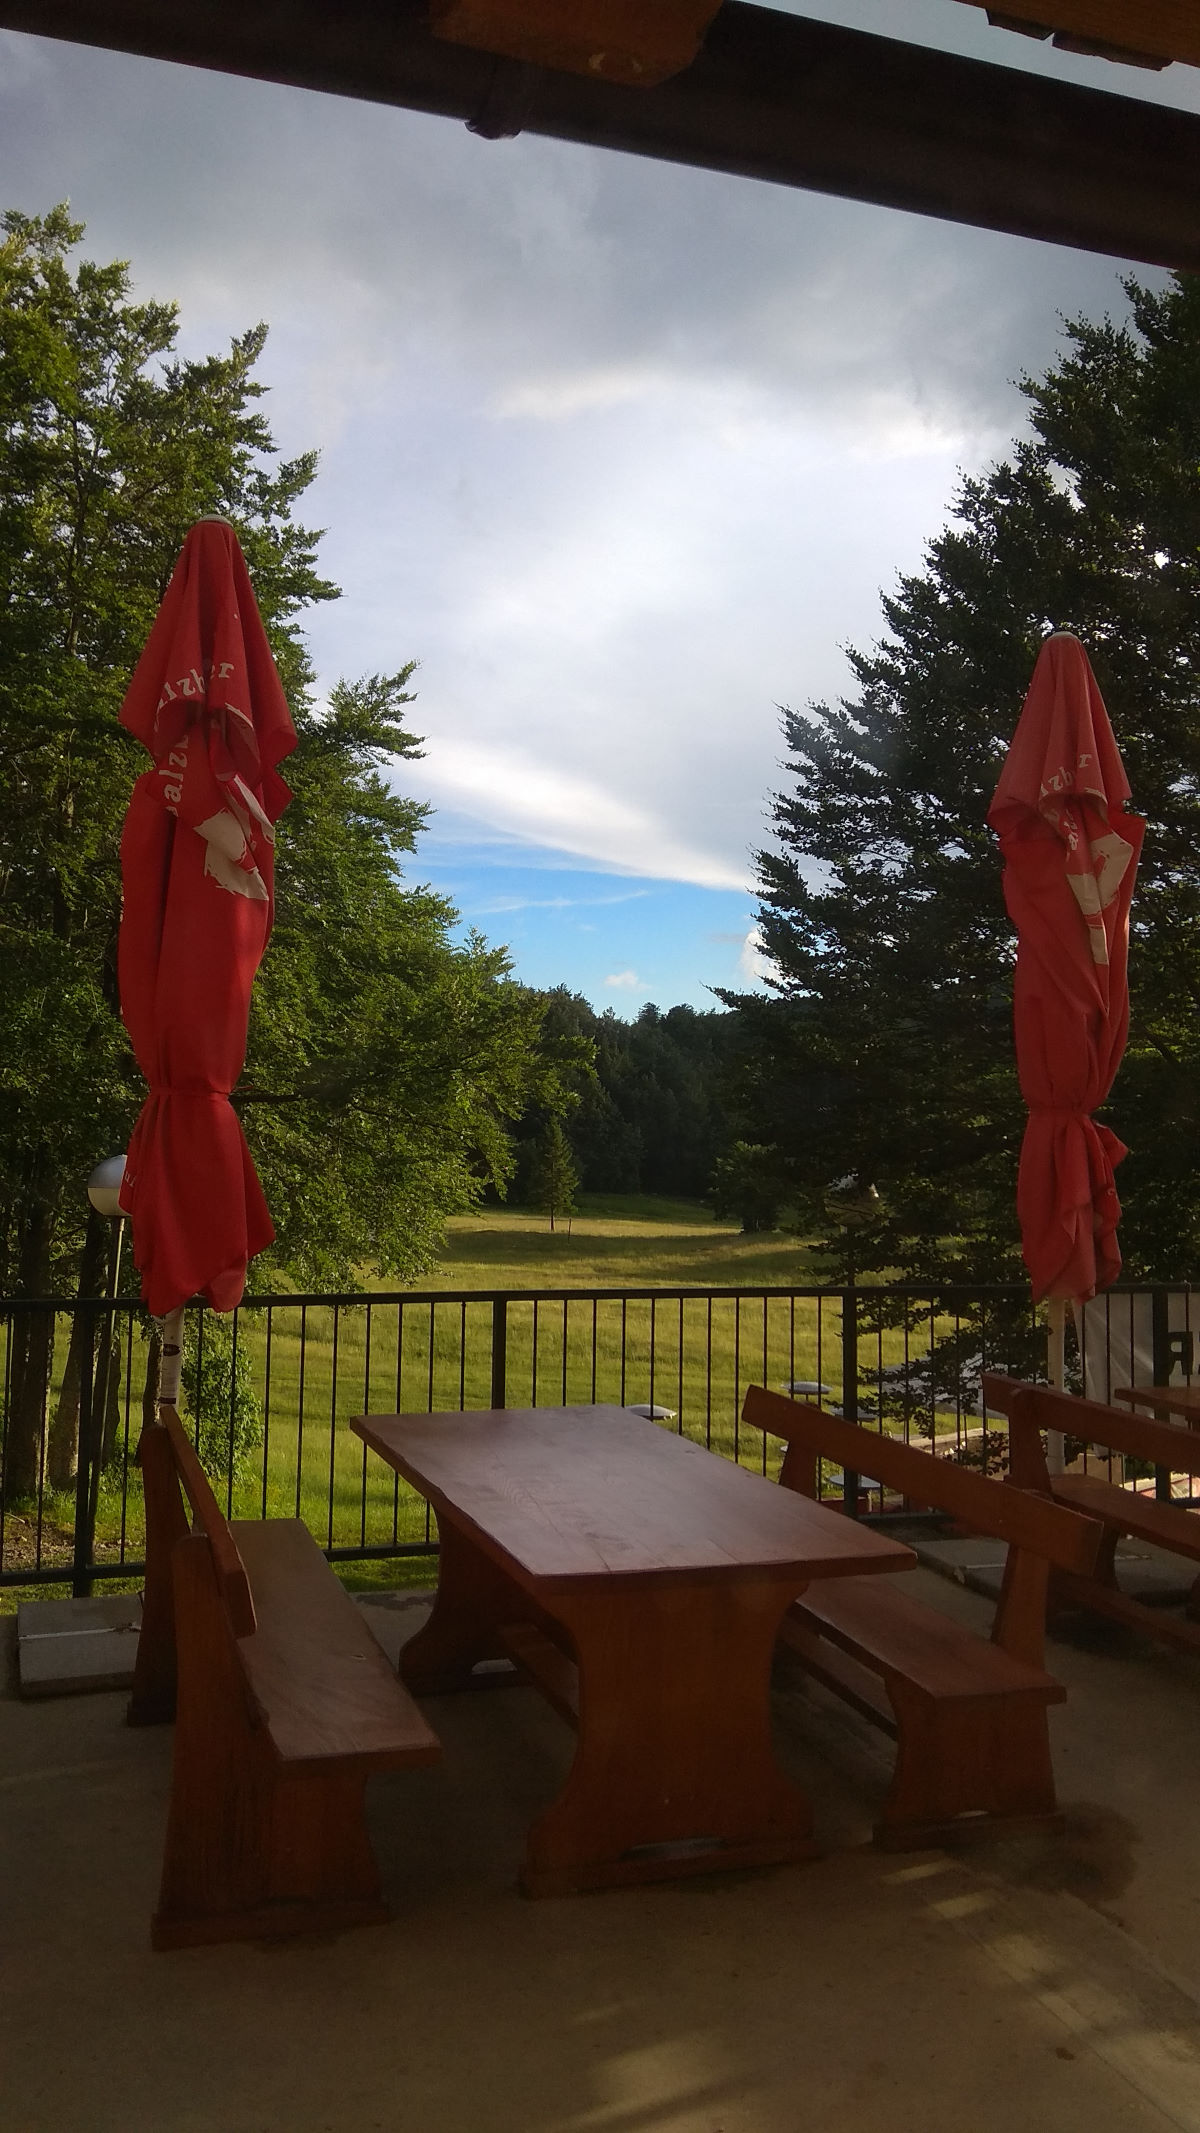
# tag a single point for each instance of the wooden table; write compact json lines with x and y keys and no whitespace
{"x":642,"y":1581}
{"x":1166,"y":1399}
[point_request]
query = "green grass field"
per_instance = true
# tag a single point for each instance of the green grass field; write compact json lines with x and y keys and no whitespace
{"x":312,"y":1367}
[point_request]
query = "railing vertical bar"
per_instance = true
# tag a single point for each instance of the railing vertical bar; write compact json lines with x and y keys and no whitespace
{"x":653,"y":1330}
{"x":766,"y":1377}
{"x":595,"y":1337}
{"x":333,"y":1394}
{"x":624,"y":1327}
{"x":267,"y":1403}
{"x":429,"y":1409}
{"x":499,"y":1351}
{"x":850,"y":1389}
{"x":125,"y":1437}
{"x":708,"y":1377}
{"x":362,"y":1492}
{"x":679,"y":1397}
{"x":84,"y":1542}
{"x":462,"y":1356}
{"x":737,"y":1377}
{"x":399,"y":1410}
{"x":300,"y":1403}
{"x":233,"y":1377}
{"x":533,"y":1365}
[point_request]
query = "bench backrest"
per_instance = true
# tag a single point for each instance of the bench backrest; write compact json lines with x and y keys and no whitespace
{"x":1039,"y":1532}
{"x":169,"y":1440}
{"x":1034,"y":1408}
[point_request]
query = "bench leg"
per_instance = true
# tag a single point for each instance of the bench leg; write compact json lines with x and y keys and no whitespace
{"x":252,"y":1852}
{"x":674,"y":1770}
{"x":966,"y":1768}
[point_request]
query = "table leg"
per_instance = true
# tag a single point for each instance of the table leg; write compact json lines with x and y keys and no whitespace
{"x":674,"y":1770}
{"x":473,"y":1599}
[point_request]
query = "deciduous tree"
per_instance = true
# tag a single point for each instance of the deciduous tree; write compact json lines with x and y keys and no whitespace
{"x":386,"y":1061}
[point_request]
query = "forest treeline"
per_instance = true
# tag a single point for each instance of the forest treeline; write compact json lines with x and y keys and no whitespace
{"x":648,"y":1116}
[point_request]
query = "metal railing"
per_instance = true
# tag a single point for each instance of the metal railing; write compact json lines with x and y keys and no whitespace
{"x":270,"y":1390}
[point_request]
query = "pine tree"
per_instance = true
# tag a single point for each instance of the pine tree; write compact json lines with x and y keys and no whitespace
{"x":885,"y":1050}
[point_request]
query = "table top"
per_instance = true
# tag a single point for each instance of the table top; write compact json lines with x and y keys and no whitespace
{"x":574,"y":1494}
{"x":1176,"y":1399}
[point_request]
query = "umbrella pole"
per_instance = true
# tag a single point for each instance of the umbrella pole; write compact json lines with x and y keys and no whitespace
{"x":172,"y":1357}
{"x":1056,"y":1370}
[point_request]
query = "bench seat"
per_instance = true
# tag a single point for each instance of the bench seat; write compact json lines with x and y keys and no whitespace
{"x":326,"y":1694}
{"x":1035,"y":1409}
{"x":283,"y":1706}
{"x":894,"y":1633}
{"x":1142,"y":1517}
{"x":968,"y":1715}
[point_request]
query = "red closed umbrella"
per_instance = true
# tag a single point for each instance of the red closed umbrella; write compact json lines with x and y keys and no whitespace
{"x":197,"y":874}
{"x":1071,"y":854}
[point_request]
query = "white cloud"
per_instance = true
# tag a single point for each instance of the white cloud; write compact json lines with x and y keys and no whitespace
{"x":623,"y":452}
{"x":546,"y":805}
{"x":623,"y":981}
{"x":753,"y":965}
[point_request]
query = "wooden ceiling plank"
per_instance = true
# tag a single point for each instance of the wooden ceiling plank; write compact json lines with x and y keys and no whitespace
{"x":771,"y":96}
{"x":1162,"y":30}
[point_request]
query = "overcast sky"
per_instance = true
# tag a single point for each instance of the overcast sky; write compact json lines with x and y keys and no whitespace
{"x":622,"y":453}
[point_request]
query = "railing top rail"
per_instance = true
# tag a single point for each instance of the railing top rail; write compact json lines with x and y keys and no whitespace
{"x":925,"y":1292}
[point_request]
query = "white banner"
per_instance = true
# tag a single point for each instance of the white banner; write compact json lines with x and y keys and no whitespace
{"x":1139,"y":1337}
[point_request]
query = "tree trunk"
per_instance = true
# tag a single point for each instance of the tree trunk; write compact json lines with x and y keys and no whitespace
{"x":32,"y":1349}
{"x":63,"y":1448}
{"x":108,"y":1382}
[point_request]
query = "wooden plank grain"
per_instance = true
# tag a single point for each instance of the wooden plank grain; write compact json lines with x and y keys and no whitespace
{"x":324,"y":1689}
{"x":576,"y":1494}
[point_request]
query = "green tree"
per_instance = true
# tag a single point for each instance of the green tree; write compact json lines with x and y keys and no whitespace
{"x":649,"y":1118}
{"x":885,"y":1049}
{"x":552,"y":1175}
{"x":385,"y":1062}
{"x":109,"y":448}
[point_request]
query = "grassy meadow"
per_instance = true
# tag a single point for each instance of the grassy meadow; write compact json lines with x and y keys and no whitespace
{"x":309,"y":1368}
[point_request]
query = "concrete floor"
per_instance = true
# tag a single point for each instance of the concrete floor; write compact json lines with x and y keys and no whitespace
{"x":1048,"y":1985}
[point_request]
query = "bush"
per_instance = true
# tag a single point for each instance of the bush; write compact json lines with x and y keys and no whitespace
{"x":220,"y":1396}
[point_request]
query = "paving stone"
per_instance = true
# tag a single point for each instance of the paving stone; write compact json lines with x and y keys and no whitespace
{"x":73,"y":1647}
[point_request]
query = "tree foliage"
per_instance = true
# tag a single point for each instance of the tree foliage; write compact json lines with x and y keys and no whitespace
{"x":553,"y":1178}
{"x":109,"y":448}
{"x":387,"y":1061}
{"x":648,"y":1119}
{"x":885,"y":1048}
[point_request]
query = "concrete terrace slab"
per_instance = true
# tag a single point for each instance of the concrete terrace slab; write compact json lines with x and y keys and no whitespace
{"x":70,"y":1647}
{"x":1055,"y":1983}
{"x":1145,"y":1572}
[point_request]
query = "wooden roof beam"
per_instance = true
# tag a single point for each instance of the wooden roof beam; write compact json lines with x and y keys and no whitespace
{"x":771,"y":96}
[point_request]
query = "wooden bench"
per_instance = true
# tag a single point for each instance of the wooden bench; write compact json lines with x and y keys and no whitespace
{"x":283,"y":1705}
{"x":968,"y":1715}
{"x":1124,"y":1513}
